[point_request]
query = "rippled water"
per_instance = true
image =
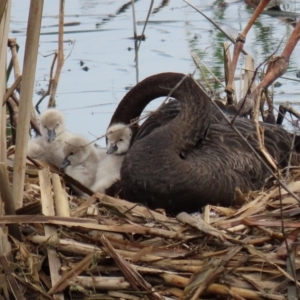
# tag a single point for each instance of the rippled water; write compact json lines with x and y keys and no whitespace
{"x":99,"y":37}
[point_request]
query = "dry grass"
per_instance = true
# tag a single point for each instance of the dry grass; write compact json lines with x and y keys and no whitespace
{"x":111,"y":249}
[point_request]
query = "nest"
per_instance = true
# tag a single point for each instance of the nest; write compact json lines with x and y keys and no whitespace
{"x":107,"y":248}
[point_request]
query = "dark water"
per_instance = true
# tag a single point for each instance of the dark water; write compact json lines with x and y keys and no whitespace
{"x":98,"y":39}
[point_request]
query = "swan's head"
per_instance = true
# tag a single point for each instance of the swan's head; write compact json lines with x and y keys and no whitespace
{"x":76,"y":150}
{"x":52,"y":124}
{"x":118,"y":138}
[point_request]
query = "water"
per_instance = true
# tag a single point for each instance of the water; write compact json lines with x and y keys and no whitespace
{"x":100,"y":38}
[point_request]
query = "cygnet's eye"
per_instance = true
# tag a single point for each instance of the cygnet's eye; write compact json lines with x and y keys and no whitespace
{"x":45,"y":126}
{"x":71,"y":153}
{"x":120,"y":140}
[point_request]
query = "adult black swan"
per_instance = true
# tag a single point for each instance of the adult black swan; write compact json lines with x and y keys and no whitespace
{"x":191,"y":161}
{"x":134,"y":102}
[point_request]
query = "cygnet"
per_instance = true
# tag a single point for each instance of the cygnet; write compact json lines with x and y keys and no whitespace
{"x":118,"y":142}
{"x":81,"y":161}
{"x":49,"y":146}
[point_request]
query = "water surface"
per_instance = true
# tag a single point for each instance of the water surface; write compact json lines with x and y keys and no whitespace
{"x":100,"y":64}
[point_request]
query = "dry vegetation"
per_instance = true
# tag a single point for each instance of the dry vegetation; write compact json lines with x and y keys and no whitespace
{"x":106,"y":248}
{"x":58,"y":246}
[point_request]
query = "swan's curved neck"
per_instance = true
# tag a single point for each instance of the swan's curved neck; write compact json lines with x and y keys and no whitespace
{"x":134,"y":102}
{"x":193,"y":120}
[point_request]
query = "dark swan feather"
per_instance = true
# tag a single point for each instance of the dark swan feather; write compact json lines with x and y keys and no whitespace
{"x":134,"y":102}
{"x":194,"y":159}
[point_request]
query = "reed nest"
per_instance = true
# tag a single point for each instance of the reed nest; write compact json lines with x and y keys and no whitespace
{"x":107,"y":248}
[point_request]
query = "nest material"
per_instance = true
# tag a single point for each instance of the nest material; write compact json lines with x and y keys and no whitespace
{"x":107,"y":248}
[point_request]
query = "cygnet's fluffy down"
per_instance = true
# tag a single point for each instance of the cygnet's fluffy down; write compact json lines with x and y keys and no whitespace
{"x":49,"y":146}
{"x":118,"y":139}
{"x":81,"y":160}
{"x":118,"y":142}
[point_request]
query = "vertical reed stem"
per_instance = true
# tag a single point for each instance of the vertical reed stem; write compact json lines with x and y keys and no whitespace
{"x":60,"y":54}
{"x":29,"y":68}
{"x":5,"y":8}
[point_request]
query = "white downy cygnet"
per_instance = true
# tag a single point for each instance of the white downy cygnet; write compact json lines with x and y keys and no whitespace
{"x":81,"y":161}
{"x":49,"y":146}
{"x":118,"y":142}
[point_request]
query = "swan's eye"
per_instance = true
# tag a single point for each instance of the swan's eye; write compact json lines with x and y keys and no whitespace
{"x":71,"y":153}
{"x":45,"y":126}
{"x":120,"y":140}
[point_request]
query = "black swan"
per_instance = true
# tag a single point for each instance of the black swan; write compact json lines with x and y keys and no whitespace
{"x":193,"y":160}
{"x":134,"y":102}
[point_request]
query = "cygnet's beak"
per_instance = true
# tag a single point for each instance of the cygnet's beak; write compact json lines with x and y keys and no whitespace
{"x":113,"y":148}
{"x":51,"y":135}
{"x":65,"y":163}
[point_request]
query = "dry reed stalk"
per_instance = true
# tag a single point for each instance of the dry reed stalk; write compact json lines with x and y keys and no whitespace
{"x":276,"y":68}
{"x":260,"y":136}
{"x":50,"y":231}
{"x":2,"y":8}
{"x":33,"y":121}
{"x":175,"y":280}
{"x":29,"y":68}
{"x":69,"y":245}
{"x":4,"y":28}
{"x":200,"y":225}
{"x":81,"y":210}
{"x":6,"y":265}
{"x":71,"y":274}
{"x":6,"y":196}
{"x":122,"y":295}
{"x":133,"y":256}
{"x":156,"y":271}
{"x":256,"y":252}
{"x":92,"y":224}
{"x":13,"y":119}
{"x":227,"y":64}
{"x":12,"y":43}
{"x":289,"y":108}
{"x":198,"y":62}
{"x":218,"y":289}
{"x":60,"y":196}
{"x":17,"y":71}
{"x":81,"y":248}
{"x":10,"y":90}
{"x":176,"y":292}
{"x":60,"y":54}
{"x":155,"y":250}
{"x":238,"y":46}
{"x":134,"y":278}
{"x":249,"y":74}
{"x":135,"y":208}
{"x":144,"y":28}
{"x":103,"y":283}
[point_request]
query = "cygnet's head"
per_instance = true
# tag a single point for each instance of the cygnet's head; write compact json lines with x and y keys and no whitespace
{"x":52,"y":124}
{"x":76,"y":151}
{"x":118,"y":139}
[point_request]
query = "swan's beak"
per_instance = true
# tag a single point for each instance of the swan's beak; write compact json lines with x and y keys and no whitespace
{"x":65,"y":163}
{"x":51,"y":135}
{"x":113,"y":148}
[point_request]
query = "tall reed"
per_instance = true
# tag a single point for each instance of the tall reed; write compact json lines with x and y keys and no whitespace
{"x":29,"y":68}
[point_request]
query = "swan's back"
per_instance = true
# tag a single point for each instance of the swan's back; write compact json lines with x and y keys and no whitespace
{"x":170,"y":110}
{"x":179,"y":169}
